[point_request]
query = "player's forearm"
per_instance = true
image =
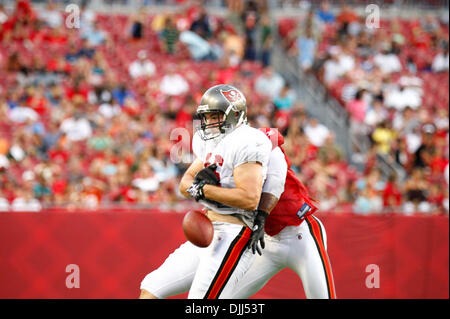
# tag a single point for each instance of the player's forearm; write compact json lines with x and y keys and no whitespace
{"x":267,"y":202}
{"x":189,"y":176}
{"x":234,"y":197}
{"x":185,"y":183}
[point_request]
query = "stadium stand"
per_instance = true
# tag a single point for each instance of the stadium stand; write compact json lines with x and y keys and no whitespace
{"x":393,"y":82}
{"x":86,"y":115}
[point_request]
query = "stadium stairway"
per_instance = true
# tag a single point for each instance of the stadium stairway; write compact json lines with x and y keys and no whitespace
{"x":328,"y":111}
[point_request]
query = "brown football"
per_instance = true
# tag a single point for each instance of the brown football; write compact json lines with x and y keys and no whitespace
{"x":197,"y":228}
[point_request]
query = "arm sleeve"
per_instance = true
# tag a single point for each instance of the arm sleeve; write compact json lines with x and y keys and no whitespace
{"x":276,"y":173}
{"x":256,"y":150}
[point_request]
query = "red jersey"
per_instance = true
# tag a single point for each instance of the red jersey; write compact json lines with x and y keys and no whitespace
{"x":294,"y":203}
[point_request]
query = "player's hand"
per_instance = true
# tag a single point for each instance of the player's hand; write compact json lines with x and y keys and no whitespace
{"x":258,"y":233}
{"x":203,"y":177}
{"x":196,"y":190}
{"x":208,"y":175}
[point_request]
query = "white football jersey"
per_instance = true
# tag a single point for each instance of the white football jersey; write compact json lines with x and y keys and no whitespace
{"x":243,"y":145}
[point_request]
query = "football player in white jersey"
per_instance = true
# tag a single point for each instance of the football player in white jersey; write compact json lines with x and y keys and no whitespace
{"x":227,"y":178}
{"x":290,"y":236}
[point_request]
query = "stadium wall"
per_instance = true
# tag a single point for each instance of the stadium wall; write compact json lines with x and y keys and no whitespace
{"x":115,"y":250}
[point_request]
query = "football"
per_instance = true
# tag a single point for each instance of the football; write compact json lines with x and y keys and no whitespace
{"x":197,"y":228}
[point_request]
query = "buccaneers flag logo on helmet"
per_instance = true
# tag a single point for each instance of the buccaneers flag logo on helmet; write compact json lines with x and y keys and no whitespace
{"x":232,"y":95}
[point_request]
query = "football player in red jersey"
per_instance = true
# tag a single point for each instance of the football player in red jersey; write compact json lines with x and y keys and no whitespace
{"x":294,"y":237}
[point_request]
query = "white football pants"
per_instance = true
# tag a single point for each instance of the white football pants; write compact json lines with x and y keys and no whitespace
{"x":208,"y":273}
{"x":301,"y":248}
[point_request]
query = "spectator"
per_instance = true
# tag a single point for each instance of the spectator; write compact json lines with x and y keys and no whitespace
{"x":406,"y":94}
{"x":25,"y":202}
{"x":436,"y":198}
{"x":4,"y":203}
{"x":413,"y":140}
{"x":199,"y":48}
{"x":76,"y":128}
{"x":73,"y":54}
{"x":345,"y":17}
{"x":422,"y":155}
{"x":87,"y":49}
{"x":142,"y":67}
{"x":416,"y":191}
{"x":145,"y":179}
{"x":357,"y":108}
{"x":250,"y":28}
{"x":325,"y":14}
{"x":121,"y":93}
{"x":51,"y":16}
{"x":87,"y":17}
{"x":441,"y":60}
{"x":317,"y":133}
{"x":387,"y":60}
{"x":392,"y":196}
{"x":367,"y":202}
{"x":94,"y":35}
{"x":339,"y":64}
{"x":4,"y":162}
{"x":405,"y":121}
{"x":310,"y":27}
{"x":383,"y":136}
{"x":173,"y":83}
{"x":328,"y":202}
{"x":307,"y":46}
{"x":375,"y":113}
{"x":441,"y":120}
{"x":286,"y":99}
{"x":233,"y":49}
{"x":109,"y":109}
{"x":269,"y":83}
{"x":3,"y":14}
{"x":266,"y":39}
{"x":169,"y":35}
{"x":22,"y":114}
{"x":201,"y":25}
{"x":137,"y":25}
{"x":163,"y":168}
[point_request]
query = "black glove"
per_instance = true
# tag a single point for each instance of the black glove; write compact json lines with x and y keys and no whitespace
{"x":258,"y":232}
{"x":203,"y":177}
{"x":208,"y":175}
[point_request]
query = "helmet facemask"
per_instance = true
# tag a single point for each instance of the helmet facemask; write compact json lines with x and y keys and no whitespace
{"x":211,"y":124}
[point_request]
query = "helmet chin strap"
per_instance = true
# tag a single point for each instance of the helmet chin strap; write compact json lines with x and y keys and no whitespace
{"x":228,"y":130}
{"x":241,"y":120}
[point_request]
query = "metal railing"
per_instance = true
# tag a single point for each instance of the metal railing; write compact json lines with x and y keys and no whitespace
{"x":321,"y":105}
{"x":315,"y":99}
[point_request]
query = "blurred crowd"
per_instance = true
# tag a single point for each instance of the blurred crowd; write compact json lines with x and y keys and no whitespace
{"x":95,"y":115}
{"x":393,"y":80}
